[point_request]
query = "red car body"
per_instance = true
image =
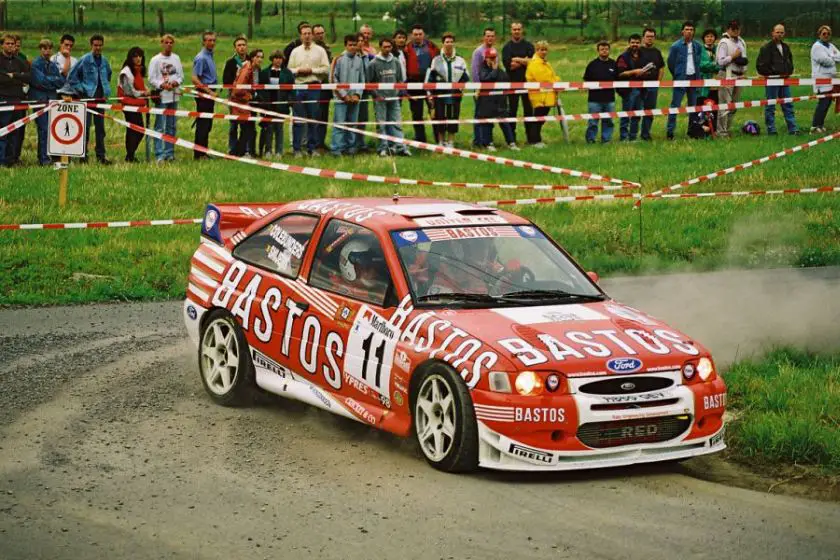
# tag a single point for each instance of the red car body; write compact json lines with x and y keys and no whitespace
{"x":616,"y":386}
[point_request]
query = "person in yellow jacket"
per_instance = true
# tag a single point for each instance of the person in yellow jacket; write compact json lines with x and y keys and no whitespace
{"x":539,"y":70}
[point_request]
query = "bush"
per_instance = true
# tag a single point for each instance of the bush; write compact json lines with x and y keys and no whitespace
{"x":431,"y":13}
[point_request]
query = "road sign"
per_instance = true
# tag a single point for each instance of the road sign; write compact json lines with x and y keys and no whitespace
{"x":67,"y":129}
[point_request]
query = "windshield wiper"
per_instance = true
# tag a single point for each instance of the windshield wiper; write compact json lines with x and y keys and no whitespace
{"x":551,"y":294}
{"x":458,"y":297}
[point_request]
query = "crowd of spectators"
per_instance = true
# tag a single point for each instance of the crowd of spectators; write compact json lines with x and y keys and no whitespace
{"x":403,"y":57}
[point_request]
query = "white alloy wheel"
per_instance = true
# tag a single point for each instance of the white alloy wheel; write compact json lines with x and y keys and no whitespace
{"x":220,"y":356}
{"x":435,"y":418}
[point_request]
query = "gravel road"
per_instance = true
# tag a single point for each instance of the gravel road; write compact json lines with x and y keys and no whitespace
{"x":109,"y":448}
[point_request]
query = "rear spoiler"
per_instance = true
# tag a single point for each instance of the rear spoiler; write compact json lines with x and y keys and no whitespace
{"x":223,"y":221}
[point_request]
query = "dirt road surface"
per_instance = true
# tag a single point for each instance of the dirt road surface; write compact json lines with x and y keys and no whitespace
{"x":109,"y":448}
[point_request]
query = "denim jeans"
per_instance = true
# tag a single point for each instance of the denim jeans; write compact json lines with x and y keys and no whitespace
{"x":99,"y":123}
{"x":775,"y":92}
{"x":43,"y":123}
{"x":649,"y":96}
{"x":676,"y":101}
{"x":630,"y":102}
{"x":8,"y":143}
{"x":485,"y":134}
{"x":607,"y":125}
{"x":360,"y":140}
{"x":344,"y":141}
{"x":166,"y":125}
{"x":389,"y":111}
{"x":271,"y":138}
{"x":233,"y":136}
{"x":823,"y":105}
{"x":309,"y":111}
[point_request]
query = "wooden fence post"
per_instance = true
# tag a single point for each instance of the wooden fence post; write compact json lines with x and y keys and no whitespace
{"x":161,"y":27}
{"x":142,"y":16}
{"x":81,"y":18}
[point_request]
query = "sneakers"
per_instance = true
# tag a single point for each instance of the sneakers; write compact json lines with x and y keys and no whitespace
{"x":794,"y":133}
{"x":383,"y":153}
{"x":491,"y":148}
{"x":315,"y":154}
{"x":539,"y":145}
{"x":298,"y":154}
{"x":817,"y":130}
{"x":514,"y":147}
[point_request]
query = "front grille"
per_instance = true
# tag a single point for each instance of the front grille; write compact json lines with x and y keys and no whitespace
{"x":628,"y":432}
{"x":626,"y":385}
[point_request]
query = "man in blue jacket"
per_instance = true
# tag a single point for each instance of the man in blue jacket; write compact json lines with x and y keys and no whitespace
{"x":46,"y":80}
{"x":684,"y":64}
{"x":91,"y":77}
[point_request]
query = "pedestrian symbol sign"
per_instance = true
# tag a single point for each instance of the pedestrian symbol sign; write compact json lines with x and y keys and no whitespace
{"x":67,"y":129}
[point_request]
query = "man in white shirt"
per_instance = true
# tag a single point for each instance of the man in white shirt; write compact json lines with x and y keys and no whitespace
{"x":310,"y":65}
{"x":166,"y":74}
{"x":63,"y":57}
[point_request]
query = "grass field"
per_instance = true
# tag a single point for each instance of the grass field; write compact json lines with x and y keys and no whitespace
{"x":75,"y":266}
{"x":788,"y":406}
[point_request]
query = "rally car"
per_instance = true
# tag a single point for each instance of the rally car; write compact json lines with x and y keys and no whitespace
{"x":466,"y":327}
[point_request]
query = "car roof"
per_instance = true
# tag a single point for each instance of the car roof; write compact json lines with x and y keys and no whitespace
{"x":406,"y":212}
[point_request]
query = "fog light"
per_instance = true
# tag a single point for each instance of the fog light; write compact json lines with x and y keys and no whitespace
{"x":529,"y":383}
{"x":688,"y":371}
{"x":705,"y":368}
{"x":499,"y":382}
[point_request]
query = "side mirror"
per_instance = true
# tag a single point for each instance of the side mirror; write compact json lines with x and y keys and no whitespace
{"x":593,"y":276}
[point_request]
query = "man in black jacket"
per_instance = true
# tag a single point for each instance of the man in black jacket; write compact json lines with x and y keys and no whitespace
{"x":516,"y":54}
{"x":775,"y":60}
{"x":232,"y":66}
{"x":14,"y":74}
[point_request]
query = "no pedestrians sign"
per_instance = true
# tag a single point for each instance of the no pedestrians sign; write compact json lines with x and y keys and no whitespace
{"x":67,"y":129}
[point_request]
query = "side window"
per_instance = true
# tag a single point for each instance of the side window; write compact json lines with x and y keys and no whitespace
{"x":279,"y":246}
{"x":349,"y":260}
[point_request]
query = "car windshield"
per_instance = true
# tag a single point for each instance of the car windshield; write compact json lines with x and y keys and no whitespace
{"x":486,"y":266}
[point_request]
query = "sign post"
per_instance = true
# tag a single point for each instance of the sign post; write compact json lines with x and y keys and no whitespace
{"x":67,"y":139}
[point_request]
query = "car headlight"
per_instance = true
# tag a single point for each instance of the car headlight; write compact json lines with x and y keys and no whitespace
{"x":705,"y":368}
{"x":529,"y":383}
{"x":500,"y":382}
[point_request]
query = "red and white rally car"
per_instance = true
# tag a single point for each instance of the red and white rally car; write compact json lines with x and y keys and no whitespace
{"x":466,"y":326}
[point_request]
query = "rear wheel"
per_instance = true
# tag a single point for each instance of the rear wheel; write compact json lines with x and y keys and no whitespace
{"x":224,"y":361}
{"x":444,"y":420}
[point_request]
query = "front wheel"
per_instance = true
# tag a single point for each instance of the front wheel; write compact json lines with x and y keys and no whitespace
{"x":444,"y":420}
{"x":224,"y":361}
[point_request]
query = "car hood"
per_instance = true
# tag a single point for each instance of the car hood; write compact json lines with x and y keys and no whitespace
{"x":579,"y":339}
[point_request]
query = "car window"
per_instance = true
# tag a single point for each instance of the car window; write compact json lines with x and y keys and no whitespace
{"x":279,"y":246}
{"x":349,"y":261}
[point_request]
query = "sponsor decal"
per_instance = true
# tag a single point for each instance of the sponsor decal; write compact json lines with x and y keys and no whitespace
{"x":360,"y":410}
{"x":488,"y":412}
{"x":410,"y":236}
{"x":530,"y":454}
{"x":210,"y":219}
{"x":286,"y":242}
{"x":321,"y":396}
{"x":281,"y":259}
{"x":539,"y":414}
{"x":628,"y":386}
{"x":664,"y":368}
{"x":191,"y":312}
{"x":629,"y":313}
{"x":624,"y":365}
{"x":552,"y":382}
{"x":714,"y":401}
{"x":264,"y":362}
{"x":259,"y":213}
{"x":384,"y":401}
{"x":370,"y":350}
{"x":549,"y":314}
{"x":717,"y":439}
{"x":398,"y":398}
{"x":345,"y":210}
{"x":630,"y":432}
{"x":633,"y":398}
{"x":402,"y":361}
{"x":447,"y":234}
{"x":527,"y":231}
{"x":458,"y":220}
{"x":636,"y":415}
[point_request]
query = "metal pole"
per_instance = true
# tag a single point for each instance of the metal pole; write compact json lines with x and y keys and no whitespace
{"x":213,"y":15}
{"x":63,"y":180}
{"x":148,"y":148}
{"x":355,"y":10}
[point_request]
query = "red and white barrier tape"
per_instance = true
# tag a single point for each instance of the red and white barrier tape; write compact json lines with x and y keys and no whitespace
{"x":541,"y":85}
{"x":21,"y":122}
{"x":440,"y":149}
{"x":97,"y":225}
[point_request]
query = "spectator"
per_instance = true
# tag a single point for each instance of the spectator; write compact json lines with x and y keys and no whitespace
{"x":651,"y":55}
{"x":247,"y":75}
{"x":516,"y":54}
{"x":708,"y":66}
{"x":400,"y":39}
{"x":732,"y":60}
{"x":476,"y":64}
{"x":310,"y":65}
{"x":232,"y":66}
{"x":20,"y":132}
{"x":203,"y":76}
{"x":91,"y":77}
{"x":14,"y":75}
{"x":366,"y":48}
{"x":824,"y":59}
{"x":64,"y":57}
{"x":602,"y":69}
{"x":166,"y":74}
{"x":349,"y":68}
{"x":318,"y":34}
{"x":776,"y":60}
{"x":368,"y":53}
{"x":447,"y":67}
{"x":46,"y":80}
{"x":386,"y":69}
{"x":684,"y":64}
{"x":132,"y":92}
{"x":539,"y":70}
{"x":492,"y":107}
{"x":287,"y":52}
{"x":630,"y":66}
{"x":277,"y":100}
{"x":20,"y":55}
{"x":418,"y":57}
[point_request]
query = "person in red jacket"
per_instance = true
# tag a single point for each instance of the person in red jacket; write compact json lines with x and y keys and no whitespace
{"x":418,"y":57}
{"x":132,"y":92}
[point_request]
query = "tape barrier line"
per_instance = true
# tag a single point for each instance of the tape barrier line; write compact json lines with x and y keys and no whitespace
{"x":547,"y":118}
{"x":632,"y":84}
{"x":347,"y":176}
{"x":747,"y":165}
{"x":98,"y":225}
{"x":439,"y":149}
{"x":665,"y":196}
{"x":19,"y":123}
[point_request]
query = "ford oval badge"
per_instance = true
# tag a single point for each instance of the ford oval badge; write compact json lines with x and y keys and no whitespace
{"x":624,"y":365}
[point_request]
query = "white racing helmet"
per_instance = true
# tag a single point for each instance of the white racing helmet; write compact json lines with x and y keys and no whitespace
{"x":351,"y":256}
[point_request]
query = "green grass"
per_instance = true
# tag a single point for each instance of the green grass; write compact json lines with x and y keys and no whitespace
{"x":788,"y":407}
{"x":151,"y":263}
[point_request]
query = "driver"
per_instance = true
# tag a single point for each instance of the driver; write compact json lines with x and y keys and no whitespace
{"x":360,"y":262}
{"x":468,"y":266}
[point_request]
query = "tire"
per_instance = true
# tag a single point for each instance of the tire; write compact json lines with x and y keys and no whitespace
{"x":444,"y":419}
{"x":224,"y":360}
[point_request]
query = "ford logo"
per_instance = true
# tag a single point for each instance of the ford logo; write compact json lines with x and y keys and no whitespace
{"x":624,"y":365}
{"x":628,"y":386}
